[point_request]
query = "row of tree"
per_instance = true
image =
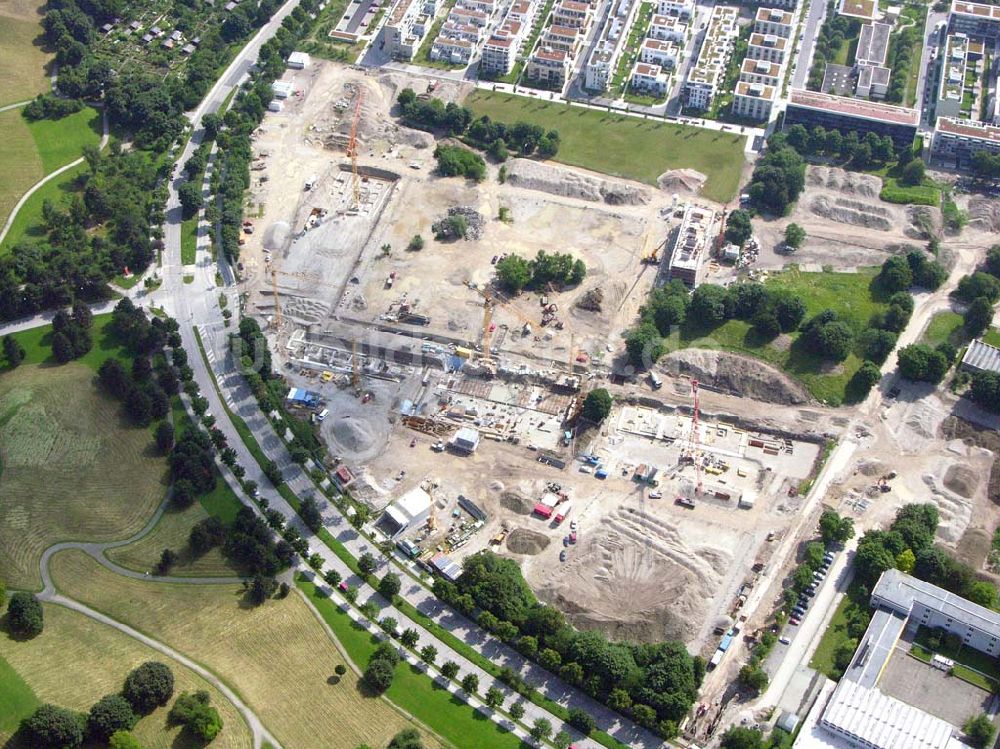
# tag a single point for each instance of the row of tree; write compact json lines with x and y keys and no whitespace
{"x":778,"y":178}
{"x":863,"y":152}
{"x":561,"y":269}
{"x":455,"y":161}
{"x":112,"y":717}
{"x":496,"y":138}
{"x":654,"y":684}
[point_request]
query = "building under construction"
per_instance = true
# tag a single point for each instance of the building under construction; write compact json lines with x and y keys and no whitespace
{"x":691,"y":246}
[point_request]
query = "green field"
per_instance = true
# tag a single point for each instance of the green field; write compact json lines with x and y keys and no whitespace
{"x":992,"y":337}
{"x":623,"y":146}
{"x":836,"y":633}
{"x":74,"y":468}
{"x":189,"y":240}
{"x":895,"y":192}
{"x":262,"y":652}
{"x":944,"y":327}
{"x":848,"y":294}
{"x":61,"y":141}
{"x":22,"y":164}
{"x":26,"y":224}
{"x":76,"y":661}
{"x":972,"y":666}
{"x":23,"y":62}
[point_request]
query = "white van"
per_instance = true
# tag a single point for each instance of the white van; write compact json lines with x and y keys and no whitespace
{"x":322,"y":414}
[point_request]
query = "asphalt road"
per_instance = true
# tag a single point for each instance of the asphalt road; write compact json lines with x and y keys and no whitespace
{"x":814,"y":19}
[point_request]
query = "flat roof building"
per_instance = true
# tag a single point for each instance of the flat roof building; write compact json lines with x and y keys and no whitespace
{"x":667,"y":29}
{"x":811,"y":108}
{"x":754,"y":100}
{"x":649,"y":79}
{"x":548,"y":66}
{"x":952,"y":86}
{"x":873,"y":44}
{"x":655,"y":52}
{"x":768,"y":47}
{"x":974,"y":19}
{"x":398,"y":35}
{"x":501,"y":49}
{"x":760,"y":71}
{"x":866,"y":10}
{"x":691,"y":245}
{"x":773,"y":21}
{"x":571,"y":13}
{"x":706,"y":76}
{"x":955,"y":141}
{"x":466,"y":440}
{"x":407,"y":513}
{"x":981,"y":357}
{"x":682,"y":9}
{"x":873,"y":82}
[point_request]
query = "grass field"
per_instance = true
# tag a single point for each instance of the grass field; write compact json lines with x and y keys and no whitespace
{"x":26,"y":223}
{"x":22,"y":164}
{"x":623,"y":146}
{"x":189,"y":240}
{"x":944,"y":327}
{"x":22,"y":60}
{"x":895,"y":192}
{"x":76,"y":661}
{"x":61,"y":141}
{"x":848,"y":294}
{"x":992,"y":337}
{"x":836,"y":633}
{"x":414,"y":691}
{"x":73,"y":467}
{"x":263,"y":653}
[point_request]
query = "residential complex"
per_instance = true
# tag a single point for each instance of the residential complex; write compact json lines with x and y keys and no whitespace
{"x":692,"y":244}
{"x":974,"y":19}
{"x":760,"y":71}
{"x":955,"y":141}
{"x":550,"y":63}
{"x":768,"y":47}
{"x":682,"y":9}
{"x":773,"y":22}
{"x":501,"y":50}
{"x":401,"y":34}
{"x":857,"y":712}
{"x":463,"y":31}
{"x":866,"y":10}
{"x":754,"y":100}
{"x":810,"y":108}
{"x":952,"y":86}
{"x":707,"y":75}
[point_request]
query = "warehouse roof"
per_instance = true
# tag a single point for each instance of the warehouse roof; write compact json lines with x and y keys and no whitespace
{"x":900,"y":591}
{"x":880,"y":638}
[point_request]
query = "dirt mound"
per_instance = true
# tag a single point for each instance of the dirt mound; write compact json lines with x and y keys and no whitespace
{"x":923,"y":222}
{"x":962,"y":480}
{"x":591,"y":300}
{"x":516,"y":503}
{"x":851,"y":183}
{"x":681,"y":180}
{"x":353,"y":435}
{"x":276,"y":235}
{"x":523,"y":541}
{"x":984,"y":213}
{"x":872,"y":467}
{"x":560,"y":181}
{"x":851,"y":212}
{"x":739,"y":375}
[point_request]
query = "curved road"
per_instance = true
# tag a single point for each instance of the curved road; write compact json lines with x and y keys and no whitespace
{"x":51,"y":176}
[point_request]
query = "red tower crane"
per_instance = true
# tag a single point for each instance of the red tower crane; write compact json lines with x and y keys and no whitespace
{"x":696,"y":436}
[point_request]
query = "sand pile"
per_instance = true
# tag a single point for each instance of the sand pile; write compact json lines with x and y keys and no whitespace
{"x":516,"y":503}
{"x":850,"y":212}
{"x":961,"y":479}
{"x":923,"y":222}
{"x":739,"y":375}
{"x":851,"y":183}
{"x":872,"y":468}
{"x":984,"y":213}
{"x":276,"y":235}
{"x":557,"y":180}
{"x":681,"y":180}
{"x":353,"y":435}
{"x":524,"y":541}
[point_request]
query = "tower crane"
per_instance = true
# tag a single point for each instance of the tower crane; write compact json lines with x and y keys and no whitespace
{"x":277,"y":298}
{"x":352,"y":150}
{"x":696,"y":437}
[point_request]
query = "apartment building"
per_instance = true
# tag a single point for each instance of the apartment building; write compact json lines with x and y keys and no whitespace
{"x":754,"y":100}
{"x":706,"y":76}
{"x":952,"y":85}
{"x":667,"y":29}
{"x":606,"y":55}
{"x":649,"y":79}
{"x":461,"y":15}
{"x":955,"y":141}
{"x":565,"y":38}
{"x":489,"y":7}
{"x":501,"y":49}
{"x":454,"y":49}
{"x":571,"y":13}
{"x":682,"y":9}
{"x":548,"y":66}
{"x":774,"y":22}
{"x":600,"y":67}
{"x":847,"y":114}
{"x":760,"y":71}
{"x":865,"y":10}
{"x":692,"y":245}
{"x":398,"y":37}
{"x":768,"y":47}
{"x":664,"y":54}
{"x":523,"y":11}
{"x":974,"y":19}
{"x":873,"y":44}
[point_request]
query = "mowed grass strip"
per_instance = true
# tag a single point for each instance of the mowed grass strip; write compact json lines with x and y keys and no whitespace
{"x":22,"y":59}
{"x":16,"y":699}
{"x":22,"y":166}
{"x":276,"y":656}
{"x":61,"y":141}
{"x":76,"y":661}
{"x":412,"y":689}
{"x":623,"y":146}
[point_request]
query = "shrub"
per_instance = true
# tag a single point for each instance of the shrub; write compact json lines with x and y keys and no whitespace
{"x":108,"y":715}
{"x":149,"y":686}
{"x":53,"y":727}
{"x":597,"y":405}
{"x":24,"y":615}
{"x":194,"y":711}
{"x":455,"y":161}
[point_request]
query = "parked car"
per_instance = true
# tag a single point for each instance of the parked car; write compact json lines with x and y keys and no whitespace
{"x":794,"y":621}
{"x":562,"y":555}
{"x":784,"y":640}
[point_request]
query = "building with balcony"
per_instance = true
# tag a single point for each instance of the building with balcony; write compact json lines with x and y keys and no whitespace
{"x":549,"y":67}
{"x":665,"y":54}
{"x":760,"y":71}
{"x":397,"y":36}
{"x":768,"y":47}
{"x":682,"y":9}
{"x":955,"y":141}
{"x":708,"y":73}
{"x":571,"y":13}
{"x":667,"y":29}
{"x":564,"y":38}
{"x":774,"y":22}
{"x":754,"y":100}
{"x":691,"y":246}
{"x":501,"y":49}
{"x":649,"y":79}
{"x":951,"y":89}
{"x":974,"y":19}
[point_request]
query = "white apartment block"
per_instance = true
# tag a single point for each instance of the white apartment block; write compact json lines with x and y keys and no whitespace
{"x":397,"y":37}
{"x":760,"y":71}
{"x":768,"y":47}
{"x":664,"y":54}
{"x":483,"y":6}
{"x":773,"y":21}
{"x":501,"y":49}
{"x":563,"y":38}
{"x":754,"y":100}
{"x":607,"y":52}
{"x":466,"y":32}
{"x":649,"y":79}
{"x":452,"y":49}
{"x":667,"y":29}
{"x":550,"y":66}
{"x":600,"y":67}
{"x":683,"y":9}
{"x":522,"y":11}
{"x":571,"y":13}
{"x":705,"y":77}
{"x":463,"y":16}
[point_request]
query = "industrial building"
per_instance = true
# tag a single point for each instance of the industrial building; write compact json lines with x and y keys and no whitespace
{"x":691,"y":246}
{"x":298,"y":61}
{"x":811,"y":108}
{"x":955,"y":141}
{"x":466,"y":440}
{"x":856,"y":713}
{"x":407,"y":513}
{"x":974,"y":19}
{"x":981,"y":357}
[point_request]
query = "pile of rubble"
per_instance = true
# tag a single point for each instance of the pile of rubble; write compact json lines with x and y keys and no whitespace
{"x":474,"y":221}
{"x":749,"y":253}
{"x":592,"y":300}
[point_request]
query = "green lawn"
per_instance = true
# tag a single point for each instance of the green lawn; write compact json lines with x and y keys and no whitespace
{"x":836,"y":632}
{"x":412,"y":690}
{"x":189,"y":240}
{"x":944,"y":327}
{"x":38,"y":347}
{"x":992,"y":337}
{"x":26,"y":223}
{"x":16,"y":698}
{"x":972,"y":666}
{"x":61,"y":141}
{"x":895,"y":192}
{"x":623,"y":146}
{"x":848,"y":294}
